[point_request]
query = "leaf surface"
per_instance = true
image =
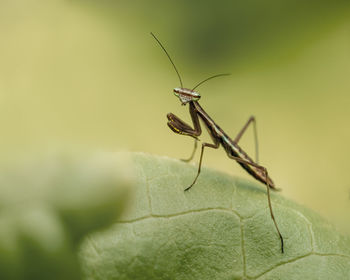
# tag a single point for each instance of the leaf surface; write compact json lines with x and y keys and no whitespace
{"x":48,"y":205}
{"x":220,"y":229}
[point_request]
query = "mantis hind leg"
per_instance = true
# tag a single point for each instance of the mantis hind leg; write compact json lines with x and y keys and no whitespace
{"x":239,"y":135}
{"x":264,"y":171}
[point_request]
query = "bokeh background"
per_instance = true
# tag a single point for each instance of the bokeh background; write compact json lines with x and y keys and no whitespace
{"x":87,"y":75}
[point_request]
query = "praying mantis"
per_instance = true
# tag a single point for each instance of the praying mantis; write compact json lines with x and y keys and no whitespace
{"x":218,"y":136}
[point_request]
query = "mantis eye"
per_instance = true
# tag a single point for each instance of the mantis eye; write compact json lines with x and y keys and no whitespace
{"x":195,"y":98}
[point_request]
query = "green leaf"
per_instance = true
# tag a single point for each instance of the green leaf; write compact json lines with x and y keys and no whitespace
{"x":47,"y":206}
{"x":220,"y":229}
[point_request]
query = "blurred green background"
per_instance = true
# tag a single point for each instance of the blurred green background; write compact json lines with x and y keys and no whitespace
{"x":87,"y":75}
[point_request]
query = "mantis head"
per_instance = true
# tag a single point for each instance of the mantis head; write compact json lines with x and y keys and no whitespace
{"x":186,"y":95}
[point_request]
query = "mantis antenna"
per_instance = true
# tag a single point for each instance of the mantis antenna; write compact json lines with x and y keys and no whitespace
{"x":160,"y":44}
{"x":212,"y":77}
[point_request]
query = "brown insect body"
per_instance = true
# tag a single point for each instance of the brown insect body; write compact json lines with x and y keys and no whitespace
{"x":218,"y":136}
{"x":231,"y":148}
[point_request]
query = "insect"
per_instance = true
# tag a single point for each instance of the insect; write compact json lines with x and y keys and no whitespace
{"x":218,"y":136}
